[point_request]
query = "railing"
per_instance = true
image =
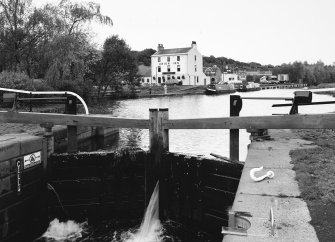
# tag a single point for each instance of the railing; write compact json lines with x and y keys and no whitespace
{"x":48,"y":93}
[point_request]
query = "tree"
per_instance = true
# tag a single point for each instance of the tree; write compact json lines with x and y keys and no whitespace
{"x":116,"y":67}
{"x":68,"y":17}
{"x":144,"y":56}
{"x":14,"y":28}
{"x":68,"y":51}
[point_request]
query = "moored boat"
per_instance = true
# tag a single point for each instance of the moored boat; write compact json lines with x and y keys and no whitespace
{"x":248,"y":87}
{"x":222,"y":88}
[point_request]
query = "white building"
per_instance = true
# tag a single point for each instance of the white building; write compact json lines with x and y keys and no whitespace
{"x":283,"y":77}
{"x":178,"y":66}
{"x":231,"y":78}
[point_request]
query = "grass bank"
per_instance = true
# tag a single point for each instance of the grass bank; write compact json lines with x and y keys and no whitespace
{"x":315,"y":172}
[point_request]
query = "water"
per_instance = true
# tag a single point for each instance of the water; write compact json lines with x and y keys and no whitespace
{"x":151,"y":229}
{"x":204,"y":142}
{"x":51,"y":188}
{"x":64,"y":231}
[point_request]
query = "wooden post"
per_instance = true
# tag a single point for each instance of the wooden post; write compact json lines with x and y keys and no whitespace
{"x":48,"y":135}
{"x":235,"y":108}
{"x":72,"y":138}
{"x":155,"y":169}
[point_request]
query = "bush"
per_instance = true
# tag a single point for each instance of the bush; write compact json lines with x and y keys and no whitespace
{"x":15,"y":80}
{"x":41,"y":85}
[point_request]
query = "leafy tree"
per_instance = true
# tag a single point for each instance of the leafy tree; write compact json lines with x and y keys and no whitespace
{"x":50,"y":42}
{"x":144,"y":56}
{"x":116,"y":66}
{"x":67,"y":54}
{"x":14,"y":27}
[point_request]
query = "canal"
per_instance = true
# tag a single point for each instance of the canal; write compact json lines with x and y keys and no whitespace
{"x":204,"y":142}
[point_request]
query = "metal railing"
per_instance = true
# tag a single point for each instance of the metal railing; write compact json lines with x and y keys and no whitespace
{"x":48,"y":93}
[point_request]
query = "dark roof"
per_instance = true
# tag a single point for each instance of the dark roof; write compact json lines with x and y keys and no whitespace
{"x":173,"y":51}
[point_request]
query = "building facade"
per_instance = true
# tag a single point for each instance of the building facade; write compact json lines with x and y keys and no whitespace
{"x":214,"y":73}
{"x":231,"y":78}
{"x":182,"y":66}
{"x":283,"y":78}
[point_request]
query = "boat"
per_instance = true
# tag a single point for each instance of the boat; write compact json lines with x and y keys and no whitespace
{"x":248,"y":87}
{"x":220,"y":88}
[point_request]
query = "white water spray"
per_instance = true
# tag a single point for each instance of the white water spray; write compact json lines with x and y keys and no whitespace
{"x":151,"y":229}
{"x":64,"y":231}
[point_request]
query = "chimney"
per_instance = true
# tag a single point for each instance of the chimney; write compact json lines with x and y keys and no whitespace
{"x":194,"y":44}
{"x":160,"y":47}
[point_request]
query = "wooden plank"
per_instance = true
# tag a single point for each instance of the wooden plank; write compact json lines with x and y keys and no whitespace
{"x":159,"y":143}
{"x":217,"y":199}
{"x":222,"y":168}
{"x":224,"y":183}
{"x":67,"y":119}
{"x":234,"y":134}
{"x":310,"y":121}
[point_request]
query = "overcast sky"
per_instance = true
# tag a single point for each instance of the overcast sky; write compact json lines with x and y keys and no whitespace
{"x":264,"y":31}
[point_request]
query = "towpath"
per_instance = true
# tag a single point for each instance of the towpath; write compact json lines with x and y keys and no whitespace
{"x":291,"y":217}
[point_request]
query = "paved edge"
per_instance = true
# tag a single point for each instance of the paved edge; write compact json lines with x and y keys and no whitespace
{"x":282,"y":194}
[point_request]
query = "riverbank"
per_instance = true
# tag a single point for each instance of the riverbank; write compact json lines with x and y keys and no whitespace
{"x":159,"y":91}
{"x":315,"y":169}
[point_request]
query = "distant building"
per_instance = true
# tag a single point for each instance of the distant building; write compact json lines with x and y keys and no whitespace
{"x":258,"y":73}
{"x":231,"y":78}
{"x":178,"y":66}
{"x":283,"y":78}
{"x":144,"y":73}
{"x":214,"y":74}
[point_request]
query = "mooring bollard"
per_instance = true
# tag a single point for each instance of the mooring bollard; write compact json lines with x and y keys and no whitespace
{"x":234,"y":141}
{"x":72,"y":138}
{"x":156,"y":169}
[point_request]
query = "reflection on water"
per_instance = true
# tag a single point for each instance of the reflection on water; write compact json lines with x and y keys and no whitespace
{"x":204,"y":142}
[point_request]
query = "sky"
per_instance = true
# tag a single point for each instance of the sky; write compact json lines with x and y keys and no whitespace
{"x":263,"y":31}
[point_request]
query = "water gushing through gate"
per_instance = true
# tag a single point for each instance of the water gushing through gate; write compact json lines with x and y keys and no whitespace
{"x":151,"y":229}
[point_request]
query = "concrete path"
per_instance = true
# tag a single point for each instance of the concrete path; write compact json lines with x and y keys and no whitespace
{"x":291,"y":215}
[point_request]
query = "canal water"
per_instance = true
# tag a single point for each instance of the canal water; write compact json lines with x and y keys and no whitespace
{"x":204,"y":142}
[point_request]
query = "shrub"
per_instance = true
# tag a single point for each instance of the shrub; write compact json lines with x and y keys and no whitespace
{"x":41,"y":85}
{"x":15,"y":80}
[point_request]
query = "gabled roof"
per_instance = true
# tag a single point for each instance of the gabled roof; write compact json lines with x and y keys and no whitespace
{"x":173,"y":51}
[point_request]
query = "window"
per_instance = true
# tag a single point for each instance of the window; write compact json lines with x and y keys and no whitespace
{"x":195,"y":68}
{"x":148,"y":80}
{"x":178,"y":58}
{"x":178,"y":77}
{"x":168,"y":58}
{"x":168,"y":77}
{"x":195,"y":57}
{"x":159,"y":80}
{"x":154,"y":78}
{"x":178,"y":68}
{"x":197,"y":79}
{"x":159,"y":59}
{"x":159,"y":69}
{"x":168,"y":68}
